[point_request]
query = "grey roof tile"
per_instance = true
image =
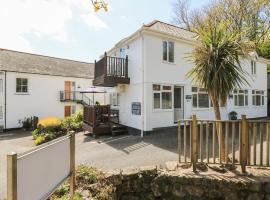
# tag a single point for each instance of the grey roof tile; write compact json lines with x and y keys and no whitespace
{"x":38,"y":64}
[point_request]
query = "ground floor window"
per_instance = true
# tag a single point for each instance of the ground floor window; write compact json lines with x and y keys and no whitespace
{"x":200,"y":98}
{"x":114,"y":99}
{"x":257,"y":97}
{"x":21,"y":85}
{"x":162,"y":96}
{"x":240,"y":97}
{"x":73,"y":110}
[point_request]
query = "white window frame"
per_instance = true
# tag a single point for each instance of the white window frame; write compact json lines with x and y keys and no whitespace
{"x":168,"y":51}
{"x":73,"y":109}
{"x":114,"y":99}
{"x":200,"y":90}
{"x":160,"y":91}
{"x":21,"y":86}
{"x":253,"y":67}
{"x":240,"y":92}
{"x":256,"y":93}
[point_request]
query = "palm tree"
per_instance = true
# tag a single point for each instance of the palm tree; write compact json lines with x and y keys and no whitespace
{"x":217,"y":65}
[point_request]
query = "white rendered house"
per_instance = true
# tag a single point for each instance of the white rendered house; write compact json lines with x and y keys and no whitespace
{"x":147,"y":75}
{"x":42,"y":86}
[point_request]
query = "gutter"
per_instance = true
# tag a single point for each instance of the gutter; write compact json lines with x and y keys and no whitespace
{"x":142,"y":117}
{"x":5,"y":126}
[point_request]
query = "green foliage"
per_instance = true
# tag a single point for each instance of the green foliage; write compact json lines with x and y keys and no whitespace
{"x":73,"y":123}
{"x":217,"y":62}
{"x":90,"y":179}
{"x":51,"y":128}
{"x":87,"y":175}
{"x":40,"y":139}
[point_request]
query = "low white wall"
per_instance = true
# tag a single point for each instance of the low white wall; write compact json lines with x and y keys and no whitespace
{"x":41,"y":171}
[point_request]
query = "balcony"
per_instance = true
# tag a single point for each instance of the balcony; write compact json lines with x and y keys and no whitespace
{"x":74,"y":96}
{"x":111,"y":71}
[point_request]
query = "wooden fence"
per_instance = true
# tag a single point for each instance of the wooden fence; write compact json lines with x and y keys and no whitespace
{"x":245,"y":142}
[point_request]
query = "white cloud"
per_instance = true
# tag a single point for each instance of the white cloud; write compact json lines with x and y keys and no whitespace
{"x":41,"y":18}
{"x":92,"y":21}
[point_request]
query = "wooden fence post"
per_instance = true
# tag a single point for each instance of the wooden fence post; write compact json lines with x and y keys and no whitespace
{"x":72,"y":165}
{"x":244,"y":143}
{"x":179,"y":142}
{"x":12,"y":176}
{"x":194,"y":142}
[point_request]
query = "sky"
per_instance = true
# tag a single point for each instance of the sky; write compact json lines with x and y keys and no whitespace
{"x":71,"y":29}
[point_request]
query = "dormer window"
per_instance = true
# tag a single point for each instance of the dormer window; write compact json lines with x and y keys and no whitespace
{"x":253,"y":67}
{"x":168,"y":51}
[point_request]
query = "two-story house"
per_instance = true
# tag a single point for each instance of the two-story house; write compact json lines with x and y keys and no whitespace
{"x":42,"y":86}
{"x":147,"y":75}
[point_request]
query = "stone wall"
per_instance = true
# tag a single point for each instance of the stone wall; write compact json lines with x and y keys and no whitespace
{"x":151,"y":183}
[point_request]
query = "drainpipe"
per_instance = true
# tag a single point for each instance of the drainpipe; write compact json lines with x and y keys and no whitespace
{"x":5,"y":126}
{"x":142,"y":116}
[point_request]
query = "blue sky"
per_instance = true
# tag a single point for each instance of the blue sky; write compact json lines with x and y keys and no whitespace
{"x":70,"y":29}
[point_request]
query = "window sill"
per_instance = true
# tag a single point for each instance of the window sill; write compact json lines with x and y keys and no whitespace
{"x":170,"y":63}
{"x":200,"y":109}
{"x":21,"y":93}
{"x":162,"y":110}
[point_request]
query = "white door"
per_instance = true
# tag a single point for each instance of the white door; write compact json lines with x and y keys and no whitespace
{"x":178,"y":103}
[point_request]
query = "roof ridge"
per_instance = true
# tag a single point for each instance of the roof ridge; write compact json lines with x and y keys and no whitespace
{"x":46,"y":56}
{"x":156,"y":21}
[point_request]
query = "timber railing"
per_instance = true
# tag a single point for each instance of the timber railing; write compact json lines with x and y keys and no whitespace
{"x":245,"y":142}
{"x":112,"y":66}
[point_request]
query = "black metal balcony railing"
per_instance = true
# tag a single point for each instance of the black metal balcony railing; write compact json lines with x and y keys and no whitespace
{"x":111,"y":71}
{"x":75,"y":97}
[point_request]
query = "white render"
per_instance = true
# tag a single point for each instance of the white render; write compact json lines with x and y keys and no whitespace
{"x":146,"y":67}
{"x":41,"y":100}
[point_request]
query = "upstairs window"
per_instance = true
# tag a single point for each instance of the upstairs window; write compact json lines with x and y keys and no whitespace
{"x":21,"y":85}
{"x":168,"y":51}
{"x":200,"y":98}
{"x":257,"y":97}
{"x":240,"y":97}
{"x":253,"y":67}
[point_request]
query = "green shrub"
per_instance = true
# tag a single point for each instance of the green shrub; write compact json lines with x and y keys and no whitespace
{"x":36,"y":133}
{"x":40,"y":140}
{"x":73,"y":123}
{"x":87,"y":175}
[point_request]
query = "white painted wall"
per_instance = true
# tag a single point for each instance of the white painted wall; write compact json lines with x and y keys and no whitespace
{"x":42,"y":99}
{"x":159,"y":72}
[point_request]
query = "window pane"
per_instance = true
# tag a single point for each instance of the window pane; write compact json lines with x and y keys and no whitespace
{"x":166,"y":100}
{"x":177,"y":98}
{"x":194,"y":100}
{"x":165,"y":52}
{"x":18,"y":89}
{"x":171,"y":52}
{"x":24,"y":88}
{"x":241,"y":100}
{"x":262,"y":100}
{"x":194,"y":89}
{"x":24,"y":81}
{"x":254,"y":100}
{"x":246,"y":100}
{"x":156,"y":100}
{"x":258,"y":100}
{"x":156,"y":87}
{"x":235,"y":100}
{"x":166,"y":87}
{"x":203,"y":101}
{"x":202,"y":90}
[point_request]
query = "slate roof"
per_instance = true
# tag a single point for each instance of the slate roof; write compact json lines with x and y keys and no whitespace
{"x":171,"y":30}
{"x":15,"y":61}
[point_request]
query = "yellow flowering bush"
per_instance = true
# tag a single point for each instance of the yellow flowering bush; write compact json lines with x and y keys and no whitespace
{"x":49,"y":122}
